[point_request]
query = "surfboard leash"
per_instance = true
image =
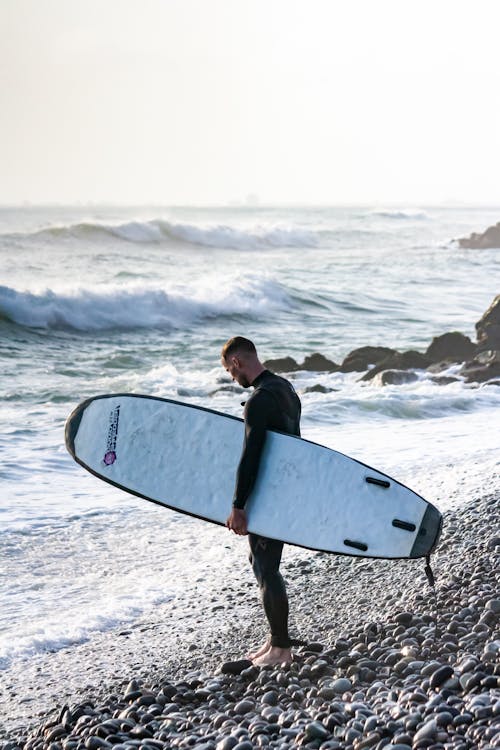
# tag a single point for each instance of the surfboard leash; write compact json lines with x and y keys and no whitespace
{"x":432,"y":583}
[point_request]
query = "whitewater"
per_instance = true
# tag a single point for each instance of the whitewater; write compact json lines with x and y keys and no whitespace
{"x":106,"y":299}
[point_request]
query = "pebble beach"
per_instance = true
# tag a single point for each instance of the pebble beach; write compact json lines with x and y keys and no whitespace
{"x":376,"y":670}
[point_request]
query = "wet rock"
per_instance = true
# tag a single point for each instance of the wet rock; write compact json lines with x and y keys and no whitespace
{"x":410,"y":360}
{"x":395,"y":377}
{"x":360,"y":359}
{"x":281,"y":364}
{"x":479,"y":371}
{"x":444,"y":379}
{"x":453,"y":347}
{"x":318,"y":363}
{"x":318,"y":388}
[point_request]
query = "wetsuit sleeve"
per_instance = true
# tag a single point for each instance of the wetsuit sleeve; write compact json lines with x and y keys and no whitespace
{"x":257,"y":412}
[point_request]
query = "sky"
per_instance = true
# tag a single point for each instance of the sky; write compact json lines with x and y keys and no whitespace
{"x":278,"y":101}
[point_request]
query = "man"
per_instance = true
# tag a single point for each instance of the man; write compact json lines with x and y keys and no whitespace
{"x":273,"y":405}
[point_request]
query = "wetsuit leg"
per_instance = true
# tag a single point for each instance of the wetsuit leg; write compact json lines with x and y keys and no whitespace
{"x":265,"y":558}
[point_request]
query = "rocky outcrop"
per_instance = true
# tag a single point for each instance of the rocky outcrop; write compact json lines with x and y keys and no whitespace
{"x":488,"y":327}
{"x":319,"y":363}
{"x":282,"y":364}
{"x":318,"y":388}
{"x":482,"y":368}
{"x":385,"y":366}
{"x":450,"y":347}
{"x":313,"y":363}
{"x":482,"y":241}
{"x":360,"y":359}
{"x":399,"y":361}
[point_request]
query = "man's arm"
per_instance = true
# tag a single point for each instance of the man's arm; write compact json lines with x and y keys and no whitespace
{"x":256,"y":422}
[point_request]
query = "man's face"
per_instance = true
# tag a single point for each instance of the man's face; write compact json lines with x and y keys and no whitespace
{"x":234,"y":366}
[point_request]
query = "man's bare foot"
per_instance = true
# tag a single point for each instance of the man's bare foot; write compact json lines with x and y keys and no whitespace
{"x":260,"y":651}
{"x":274,"y":655}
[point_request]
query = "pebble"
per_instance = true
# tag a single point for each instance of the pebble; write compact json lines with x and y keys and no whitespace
{"x":397,"y":684}
{"x":440,"y":675}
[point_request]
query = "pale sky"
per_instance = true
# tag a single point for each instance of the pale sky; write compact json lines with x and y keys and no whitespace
{"x":208,"y":101}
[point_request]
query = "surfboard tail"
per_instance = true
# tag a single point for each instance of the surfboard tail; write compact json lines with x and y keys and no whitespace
{"x":428,"y":533}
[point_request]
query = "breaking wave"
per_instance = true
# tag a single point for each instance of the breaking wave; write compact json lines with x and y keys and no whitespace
{"x":162,"y":231}
{"x":135,"y":307}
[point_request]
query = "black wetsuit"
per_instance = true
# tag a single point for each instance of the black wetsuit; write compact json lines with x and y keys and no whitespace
{"x":273,"y":405}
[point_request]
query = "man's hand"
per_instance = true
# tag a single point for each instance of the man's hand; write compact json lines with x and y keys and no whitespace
{"x":237,"y":521}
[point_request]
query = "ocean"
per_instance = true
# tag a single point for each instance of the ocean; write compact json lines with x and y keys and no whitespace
{"x":97,"y":299}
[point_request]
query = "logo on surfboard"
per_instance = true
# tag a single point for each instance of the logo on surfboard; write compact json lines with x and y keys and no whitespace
{"x":114,"y":418}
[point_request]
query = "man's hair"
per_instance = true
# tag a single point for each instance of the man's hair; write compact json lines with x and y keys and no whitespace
{"x":238,"y":344}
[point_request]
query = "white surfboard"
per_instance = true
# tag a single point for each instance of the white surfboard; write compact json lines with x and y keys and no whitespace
{"x":185,"y":458}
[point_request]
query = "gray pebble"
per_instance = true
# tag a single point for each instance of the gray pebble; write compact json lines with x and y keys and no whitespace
{"x":316,"y":730}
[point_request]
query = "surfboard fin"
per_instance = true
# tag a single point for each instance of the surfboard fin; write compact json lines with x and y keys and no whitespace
{"x":379,"y":482}
{"x":357,"y":545}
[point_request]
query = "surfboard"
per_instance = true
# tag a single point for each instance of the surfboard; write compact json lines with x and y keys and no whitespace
{"x":185,"y":457}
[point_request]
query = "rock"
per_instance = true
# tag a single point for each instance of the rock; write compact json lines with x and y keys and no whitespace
{"x":359,"y":359}
{"x":283,"y":364}
{"x":316,"y":731}
{"x":235,"y":667}
{"x":404,"y":618}
{"x":244,"y":707}
{"x":399,"y":361}
{"x":488,"y":327}
{"x":454,"y":347}
{"x":490,"y":238}
{"x":341,"y":685}
{"x":494,"y":542}
{"x":444,"y":379}
{"x":96,"y":743}
{"x":318,"y":388}
{"x":318,"y":363}
{"x":395,"y":377}
{"x":227,"y":743}
{"x":427,"y":731}
{"x":477,"y":372}
{"x":270,"y":698}
{"x":440,"y":675}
